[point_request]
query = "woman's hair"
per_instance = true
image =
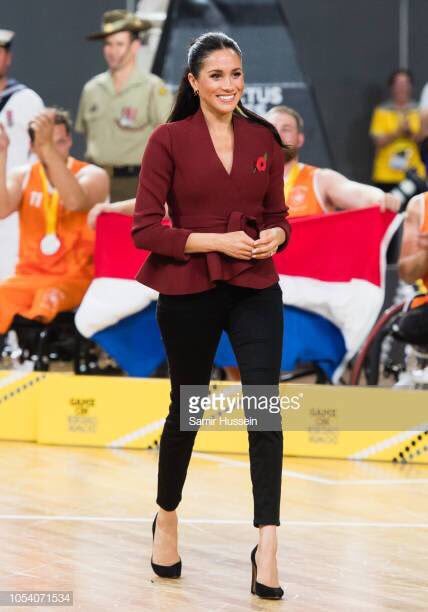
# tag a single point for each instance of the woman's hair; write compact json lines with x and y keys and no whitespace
{"x":187,"y":103}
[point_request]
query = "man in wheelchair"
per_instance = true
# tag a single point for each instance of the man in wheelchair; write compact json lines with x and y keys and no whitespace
{"x":52,"y":197}
{"x":412,"y":326}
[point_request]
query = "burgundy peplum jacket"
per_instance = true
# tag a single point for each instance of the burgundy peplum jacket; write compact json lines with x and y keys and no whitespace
{"x":181,"y":167}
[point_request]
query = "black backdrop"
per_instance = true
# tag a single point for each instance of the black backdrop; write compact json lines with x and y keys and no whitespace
{"x":345,"y":48}
{"x":273,"y":73}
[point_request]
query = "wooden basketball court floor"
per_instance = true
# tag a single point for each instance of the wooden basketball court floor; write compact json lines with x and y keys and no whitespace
{"x":354,"y":536}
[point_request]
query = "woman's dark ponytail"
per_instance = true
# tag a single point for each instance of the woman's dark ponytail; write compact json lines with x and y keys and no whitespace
{"x":187,"y":103}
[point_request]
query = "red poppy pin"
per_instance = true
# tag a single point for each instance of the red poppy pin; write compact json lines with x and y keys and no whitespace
{"x":261,"y":163}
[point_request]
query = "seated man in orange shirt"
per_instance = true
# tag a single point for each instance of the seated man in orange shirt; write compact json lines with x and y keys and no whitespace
{"x":52,"y":197}
{"x":413,"y":269}
{"x":312,"y":191}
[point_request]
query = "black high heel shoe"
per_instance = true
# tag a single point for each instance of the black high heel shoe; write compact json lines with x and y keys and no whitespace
{"x":257,"y":588}
{"x":165,"y":571}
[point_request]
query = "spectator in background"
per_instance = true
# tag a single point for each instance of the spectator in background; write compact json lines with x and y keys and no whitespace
{"x":396,"y":132}
{"x":312,"y":191}
{"x":18,"y":105}
{"x":119,"y":109}
{"x":52,"y":197}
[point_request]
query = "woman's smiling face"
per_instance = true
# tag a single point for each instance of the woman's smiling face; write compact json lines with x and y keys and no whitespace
{"x":220,"y":82}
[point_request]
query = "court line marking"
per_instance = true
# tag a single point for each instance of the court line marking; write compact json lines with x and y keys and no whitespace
{"x":11,"y":378}
{"x":238,"y":463}
{"x":313,"y":478}
{"x":292,"y":473}
{"x":134,"y":435}
{"x":208,"y":521}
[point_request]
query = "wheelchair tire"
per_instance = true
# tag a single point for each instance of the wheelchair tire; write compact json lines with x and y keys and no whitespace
{"x":368,"y":358}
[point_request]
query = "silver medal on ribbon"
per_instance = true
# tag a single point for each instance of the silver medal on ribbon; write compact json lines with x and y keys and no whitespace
{"x":50,"y":244}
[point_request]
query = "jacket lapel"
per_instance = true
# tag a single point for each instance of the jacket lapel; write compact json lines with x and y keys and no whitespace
{"x":200,"y":121}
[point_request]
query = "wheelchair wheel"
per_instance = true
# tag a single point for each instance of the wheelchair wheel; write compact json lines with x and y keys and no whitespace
{"x":381,"y":358}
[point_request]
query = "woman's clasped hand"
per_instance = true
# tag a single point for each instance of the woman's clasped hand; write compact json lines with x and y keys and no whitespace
{"x":240,"y":245}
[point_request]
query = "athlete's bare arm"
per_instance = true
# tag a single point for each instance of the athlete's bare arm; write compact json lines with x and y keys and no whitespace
{"x":80,"y":192}
{"x":339,"y":192}
{"x":413,"y":262}
{"x":95,"y":184}
{"x":126,"y":207}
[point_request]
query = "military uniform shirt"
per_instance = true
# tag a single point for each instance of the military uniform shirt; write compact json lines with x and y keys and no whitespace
{"x":117,"y":125}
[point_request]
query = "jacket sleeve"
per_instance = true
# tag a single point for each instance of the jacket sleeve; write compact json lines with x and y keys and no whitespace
{"x":275,"y":208}
{"x":156,"y":174}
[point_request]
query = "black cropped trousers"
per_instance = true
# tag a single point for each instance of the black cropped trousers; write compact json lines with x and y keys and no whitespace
{"x":191,"y":326}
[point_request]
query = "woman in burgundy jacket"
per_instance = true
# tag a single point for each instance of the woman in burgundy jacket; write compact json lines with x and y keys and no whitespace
{"x":220,"y":169}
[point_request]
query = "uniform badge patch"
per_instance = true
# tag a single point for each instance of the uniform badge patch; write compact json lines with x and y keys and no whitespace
{"x":128,"y":116}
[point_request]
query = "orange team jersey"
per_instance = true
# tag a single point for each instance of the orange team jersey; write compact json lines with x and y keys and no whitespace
{"x":45,"y":285}
{"x":301,"y":192}
{"x":74,"y":258}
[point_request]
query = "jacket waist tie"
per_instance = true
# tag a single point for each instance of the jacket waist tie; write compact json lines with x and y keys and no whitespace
{"x":219,"y":265}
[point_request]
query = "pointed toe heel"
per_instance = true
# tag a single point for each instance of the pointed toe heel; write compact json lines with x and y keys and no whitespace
{"x":257,"y":588}
{"x":165,"y":571}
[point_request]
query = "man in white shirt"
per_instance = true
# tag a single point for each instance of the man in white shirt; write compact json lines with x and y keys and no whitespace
{"x":18,"y":106}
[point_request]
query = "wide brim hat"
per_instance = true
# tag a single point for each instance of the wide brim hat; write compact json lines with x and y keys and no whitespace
{"x":120,"y":21}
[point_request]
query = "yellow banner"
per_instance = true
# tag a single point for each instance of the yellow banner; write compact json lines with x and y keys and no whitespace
{"x":325,"y":421}
{"x":19,"y":403}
